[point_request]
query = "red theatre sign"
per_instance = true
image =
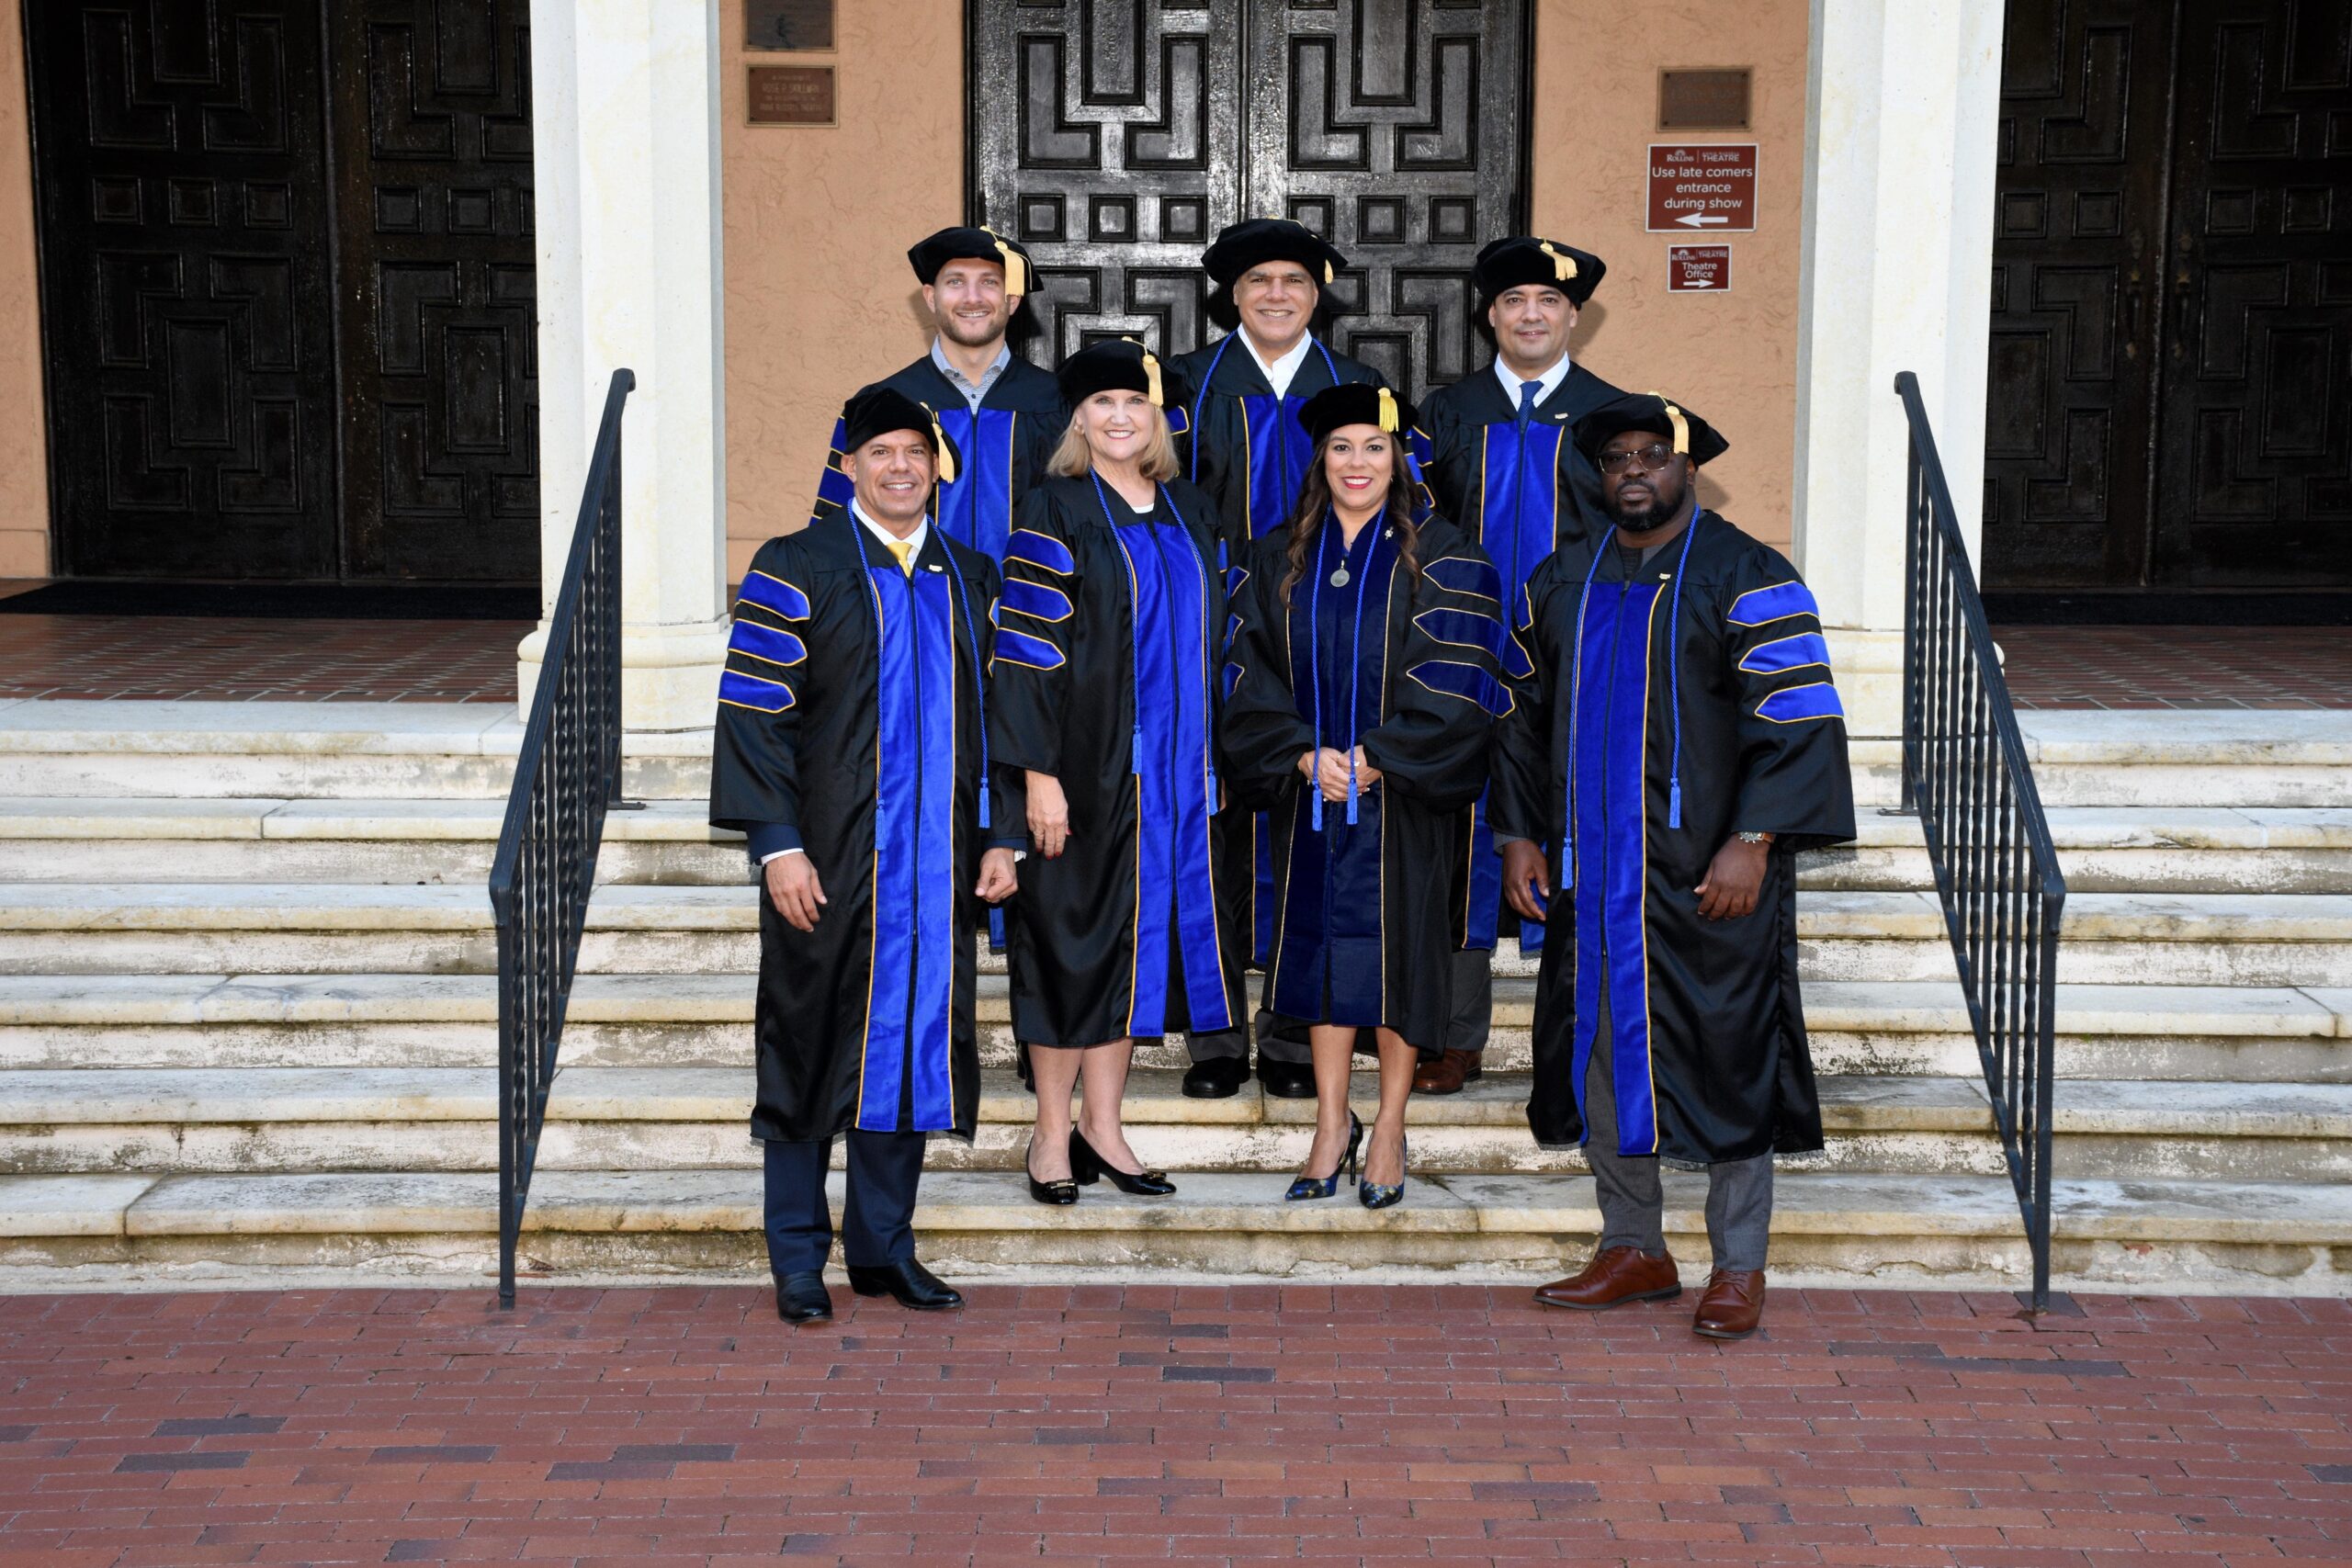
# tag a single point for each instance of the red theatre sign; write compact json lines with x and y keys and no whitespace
{"x":1698,"y":188}
{"x":1697,"y":269}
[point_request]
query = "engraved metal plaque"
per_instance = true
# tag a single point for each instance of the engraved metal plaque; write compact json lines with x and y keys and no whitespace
{"x":788,"y":24}
{"x":791,"y":95}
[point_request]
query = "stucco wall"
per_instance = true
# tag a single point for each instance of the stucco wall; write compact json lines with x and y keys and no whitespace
{"x":819,"y":296}
{"x":1731,"y":357}
{"x":24,"y":456}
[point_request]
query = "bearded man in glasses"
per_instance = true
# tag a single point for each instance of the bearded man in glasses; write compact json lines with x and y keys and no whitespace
{"x":1674,"y":740}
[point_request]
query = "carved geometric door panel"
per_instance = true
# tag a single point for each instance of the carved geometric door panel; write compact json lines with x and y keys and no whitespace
{"x":433,"y":179}
{"x":2255,"y":467}
{"x":185,"y":287}
{"x":287,"y":338}
{"x":1392,"y":128}
{"x":2078,"y":229}
{"x":1115,"y":138}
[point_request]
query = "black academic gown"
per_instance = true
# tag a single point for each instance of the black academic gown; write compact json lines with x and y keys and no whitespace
{"x":1368,"y":896}
{"x":1716,"y":646}
{"x":1524,"y":491}
{"x":869,"y":750}
{"x":1004,"y":448}
{"x":1110,"y":631}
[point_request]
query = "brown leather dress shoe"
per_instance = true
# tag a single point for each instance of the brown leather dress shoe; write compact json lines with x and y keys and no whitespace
{"x":1447,"y":1073}
{"x":1619,"y":1275}
{"x":1733,"y":1306}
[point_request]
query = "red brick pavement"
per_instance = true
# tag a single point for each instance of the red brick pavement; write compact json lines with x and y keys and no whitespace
{"x":1105,"y":1425}
{"x":2177,"y":667}
{"x":232,"y":659}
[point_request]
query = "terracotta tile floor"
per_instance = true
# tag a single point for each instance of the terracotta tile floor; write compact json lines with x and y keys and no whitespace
{"x":1103,"y":1424}
{"x":226,"y":660}
{"x":2178,"y":667}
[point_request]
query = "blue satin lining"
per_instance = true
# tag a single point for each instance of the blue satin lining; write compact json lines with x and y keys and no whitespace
{"x":976,"y":509}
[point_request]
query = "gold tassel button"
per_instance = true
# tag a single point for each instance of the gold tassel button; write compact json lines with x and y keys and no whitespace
{"x":1563,"y":267}
{"x":939,"y":445}
{"x":1674,"y":418}
{"x":1387,"y":410}
{"x":1016,"y":270}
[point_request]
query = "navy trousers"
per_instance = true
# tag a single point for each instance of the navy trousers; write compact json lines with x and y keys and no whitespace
{"x":878,"y":1222}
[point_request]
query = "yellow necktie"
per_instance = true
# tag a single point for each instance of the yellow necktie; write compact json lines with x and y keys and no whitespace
{"x":905,"y":551}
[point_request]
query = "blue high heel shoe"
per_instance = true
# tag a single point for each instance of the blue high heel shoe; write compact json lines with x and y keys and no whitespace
{"x":1324,"y":1186}
{"x":1374,"y":1195}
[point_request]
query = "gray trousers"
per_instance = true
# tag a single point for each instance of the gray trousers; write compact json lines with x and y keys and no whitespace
{"x":1474,"y":1001}
{"x":1633,"y":1201}
{"x":1236,"y":1043}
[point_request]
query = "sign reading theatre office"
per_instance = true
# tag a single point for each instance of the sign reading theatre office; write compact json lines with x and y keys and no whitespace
{"x":1700,"y":188}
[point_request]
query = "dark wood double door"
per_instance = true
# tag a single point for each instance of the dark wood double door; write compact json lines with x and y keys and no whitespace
{"x":286,"y":291}
{"x":1116,"y":137}
{"x":2171,"y":387}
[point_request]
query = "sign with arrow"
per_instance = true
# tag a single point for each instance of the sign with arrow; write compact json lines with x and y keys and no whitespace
{"x":1697,"y":269}
{"x":1703,"y":189}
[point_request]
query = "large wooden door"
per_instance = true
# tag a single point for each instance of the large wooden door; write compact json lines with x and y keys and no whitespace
{"x":185,"y":287}
{"x":2172,"y":297}
{"x":288,"y":331}
{"x":1115,"y":136}
{"x":2255,"y":453}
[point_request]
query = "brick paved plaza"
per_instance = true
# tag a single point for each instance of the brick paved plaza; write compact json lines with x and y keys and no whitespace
{"x":1131,"y":1424}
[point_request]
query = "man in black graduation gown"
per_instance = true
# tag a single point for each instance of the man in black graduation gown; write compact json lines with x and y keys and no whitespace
{"x":850,"y":750}
{"x":1675,"y":741}
{"x":1504,"y":468}
{"x":1003,"y":414}
{"x":1242,"y":443}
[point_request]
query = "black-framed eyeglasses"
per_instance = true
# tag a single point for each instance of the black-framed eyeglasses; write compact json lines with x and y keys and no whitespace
{"x":1653,"y":457}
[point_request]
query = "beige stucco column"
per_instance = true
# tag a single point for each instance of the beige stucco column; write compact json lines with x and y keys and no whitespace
{"x":625,"y":122}
{"x":1902,"y":117}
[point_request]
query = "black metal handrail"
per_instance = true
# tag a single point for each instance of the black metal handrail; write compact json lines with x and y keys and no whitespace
{"x":566,"y":777}
{"x":1965,"y":773}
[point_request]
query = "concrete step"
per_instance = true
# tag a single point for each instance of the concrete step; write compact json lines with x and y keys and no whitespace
{"x":2242,"y":1035}
{"x":1828,"y":1228}
{"x":2201,"y":938}
{"x":303,"y":751}
{"x":182,"y":1120}
{"x":402,"y":842}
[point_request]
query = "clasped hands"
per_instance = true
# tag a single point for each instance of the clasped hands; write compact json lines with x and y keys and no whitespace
{"x":1728,"y":891}
{"x":1327,"y":770}
{"x":798,"y":894}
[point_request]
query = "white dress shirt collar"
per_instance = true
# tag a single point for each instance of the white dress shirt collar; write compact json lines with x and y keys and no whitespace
{"x":1550,"y":381}
{"x":917,"y":538}
{"x":1282,"y":372}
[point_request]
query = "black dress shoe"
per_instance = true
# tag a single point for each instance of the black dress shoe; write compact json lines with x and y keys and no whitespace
{"x":1286,"y":1080}
{"x":915,"y":1287}
{"x":1219,"y":1078}
{"x":801,"y":1297}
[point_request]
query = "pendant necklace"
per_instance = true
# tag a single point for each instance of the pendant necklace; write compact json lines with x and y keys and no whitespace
{"x":1340,"y":578}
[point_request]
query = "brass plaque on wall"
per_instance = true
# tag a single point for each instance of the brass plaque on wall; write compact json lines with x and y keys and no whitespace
{"x":1702,"y":100}
{"x":792,"y":94}
{"x":788,"y":24}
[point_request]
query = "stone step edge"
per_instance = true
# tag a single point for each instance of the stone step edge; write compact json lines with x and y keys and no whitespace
{"x":50,"y":1099}
{"x":228,"y":1000}
{"x":617,"y":1203}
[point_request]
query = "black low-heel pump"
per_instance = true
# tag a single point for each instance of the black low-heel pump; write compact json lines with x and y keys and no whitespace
{"x":1059,"y":1193}
{"x":1086,"y":1166}
{"x":1324,"y":1186}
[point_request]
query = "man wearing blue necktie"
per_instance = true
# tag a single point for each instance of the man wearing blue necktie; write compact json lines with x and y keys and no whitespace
{"x":1507,"y":472}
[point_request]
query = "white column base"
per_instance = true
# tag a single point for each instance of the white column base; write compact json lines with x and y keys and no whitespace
{"x":1868,"y":666}
{"x":669,"y":674}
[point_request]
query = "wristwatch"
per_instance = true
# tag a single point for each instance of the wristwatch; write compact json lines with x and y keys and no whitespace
{"x":1755,"y":838}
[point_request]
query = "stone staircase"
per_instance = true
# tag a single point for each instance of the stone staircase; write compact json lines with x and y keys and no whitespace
{"x":248,"y":1005}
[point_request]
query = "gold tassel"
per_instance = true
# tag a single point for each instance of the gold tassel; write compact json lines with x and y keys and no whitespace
{"x":1150,"y":373}
{"x":1681,"y":425}
{"x":1017,"y":271}
{"x":939,"y":445}
{"x":1327,"y":275}
{"x":1563,"y":267}
{"x":1387,"y":410}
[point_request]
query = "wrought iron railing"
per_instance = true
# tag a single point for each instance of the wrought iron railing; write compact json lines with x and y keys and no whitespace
{"x":1965,"y":773}
{"x":567,"y":777}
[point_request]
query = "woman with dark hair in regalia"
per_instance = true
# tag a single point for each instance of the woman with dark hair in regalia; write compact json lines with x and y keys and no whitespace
{"x":1361,"y":685}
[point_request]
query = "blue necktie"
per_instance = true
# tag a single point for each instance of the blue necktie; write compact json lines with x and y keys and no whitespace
{"x":1527,"y":393}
